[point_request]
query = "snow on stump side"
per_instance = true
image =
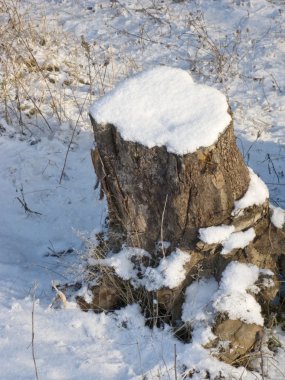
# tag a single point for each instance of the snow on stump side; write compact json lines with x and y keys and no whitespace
{"x":166,"y":158}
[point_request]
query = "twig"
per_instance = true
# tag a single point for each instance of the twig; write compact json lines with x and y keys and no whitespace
{"x":27,"y":209}
{"x":269,"y":159}
{"x":71,"y":140}
{"x":259,"y":348}
{"x":24,"y":204}
{"x":161,"y":229}
{"x":175,"y":363}
{"x":30,"y":51}
{"x":140,"y":359}
{"x":155,"y":310}
{"x":33,"y":334}
{"x":125,"y":32}
{"x":277,"y":85}
{"x":278,"y":369}
{"x":60,"y":295}
{"x":247,"y":156}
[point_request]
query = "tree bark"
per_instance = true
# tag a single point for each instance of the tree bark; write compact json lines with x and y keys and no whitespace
{"x":154,"y":195}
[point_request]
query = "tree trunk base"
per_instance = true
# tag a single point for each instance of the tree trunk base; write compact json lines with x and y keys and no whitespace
{"x":155,"y":195}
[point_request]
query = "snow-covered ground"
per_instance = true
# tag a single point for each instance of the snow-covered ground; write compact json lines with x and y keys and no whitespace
{"x":81,"y":49}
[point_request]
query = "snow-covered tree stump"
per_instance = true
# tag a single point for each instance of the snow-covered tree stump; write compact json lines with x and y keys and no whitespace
{"x":164,"y":179}
{"x":183,"y":206}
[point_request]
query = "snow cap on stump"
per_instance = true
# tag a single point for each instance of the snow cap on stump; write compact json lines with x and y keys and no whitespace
{"x":164,"y":107}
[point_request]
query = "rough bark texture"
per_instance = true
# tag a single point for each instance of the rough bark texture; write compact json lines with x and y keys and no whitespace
{"x":156,"y":195}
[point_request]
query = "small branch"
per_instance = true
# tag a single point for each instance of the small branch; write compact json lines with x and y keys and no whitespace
{"x":60,"y":295}
{"x":71,"y":140}
{"x":161,"y":229}
{"x":276,"y":84}
{"x":33,"y":334}
{"x":125,"y":32}
{"x":140,"y":359}
{"x":269,"y":159}
{"x":67,"y":152}
{"x":24,"y":204}
{"x":175,"y":363}
{"x":247,"y":156}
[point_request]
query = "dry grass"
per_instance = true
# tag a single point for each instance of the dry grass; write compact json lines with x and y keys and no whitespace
{"x":47,"y":78}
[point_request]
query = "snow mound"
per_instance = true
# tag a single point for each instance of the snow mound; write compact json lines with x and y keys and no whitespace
{"x":164,"y":107}
{"x":233,"y":297}
{"x":256,"y":194}
{"x":226,"y":236}
{"x":198,"y":309}
{"x":170,"y":272}
{"x":122,"y":262}
{"x":128,"y":265}
{"x":215,"y":234}
{"x":198,"y":300}
{"x":238,"y":240}
{"x":205,"y":299}
{"x":277,"y":216}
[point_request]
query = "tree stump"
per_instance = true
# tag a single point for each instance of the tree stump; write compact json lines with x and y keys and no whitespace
{"x":170,"y":176}
{"x":155,"y":195}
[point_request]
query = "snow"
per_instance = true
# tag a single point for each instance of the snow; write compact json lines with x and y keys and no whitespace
{"x":164,"y":107}
{"x":215,"y":234}
{"x":225,"y":235}
{"x":238,"y":240}
{"x":122,"y":262}
{"x":169,"y":273}
{"x":256,"y":194}
{"x":171,"y":269}
{"x":277,"y":216}
{"x":70,"y":345}
{"x":233,"y":297}
{"x":205,"y":298}
{"x":242,"y":57}
{"x":198,"y":310}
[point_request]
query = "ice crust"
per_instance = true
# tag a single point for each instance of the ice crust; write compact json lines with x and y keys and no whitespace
{"x":164,"y":107}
